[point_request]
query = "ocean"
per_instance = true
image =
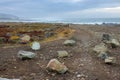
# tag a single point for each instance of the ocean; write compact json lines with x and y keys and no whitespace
{"x":73,"y":21}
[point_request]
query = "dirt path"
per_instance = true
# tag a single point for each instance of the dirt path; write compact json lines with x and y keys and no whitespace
{"x":91,"y":63}
{"x":81,"y":60}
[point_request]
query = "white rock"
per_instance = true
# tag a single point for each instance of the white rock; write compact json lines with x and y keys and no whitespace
{"x":110,"y":60}
{"x":100,"y":48}
{"x":26,"y":55}
{"x":80,"y":75}
{"x":69,"y":42}
{"x":55,"y":65}
{"x":35,"y":45}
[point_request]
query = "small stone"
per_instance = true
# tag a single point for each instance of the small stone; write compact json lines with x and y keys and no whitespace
{"x":32,"y":74}
{"x":69,"y":42}
{"x":55,"y":65}
{"x":15,"y":67}
{"x":81,"y":65}
{"x":110,"y":60}
{"x":81,"y":76}
{"x":78,"y":76}
{"x":62,"y":53}
{"x":100,"y":48}
{"x":53,"y":74}
{"x":35,"y":45}
{"x":26,"y":55}
{"x":103,"y":55}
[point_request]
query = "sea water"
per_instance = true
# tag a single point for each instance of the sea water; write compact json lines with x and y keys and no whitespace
{"x":73,"y":20}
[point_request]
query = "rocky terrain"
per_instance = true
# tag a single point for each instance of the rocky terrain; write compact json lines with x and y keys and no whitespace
{"x":78,"y":58}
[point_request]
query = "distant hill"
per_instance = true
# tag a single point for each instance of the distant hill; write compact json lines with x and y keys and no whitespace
{"x":4,"y":16}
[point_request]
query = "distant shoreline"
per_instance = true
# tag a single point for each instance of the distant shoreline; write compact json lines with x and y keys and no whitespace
{"x":96,"y":23}
{"x":99,"y":21}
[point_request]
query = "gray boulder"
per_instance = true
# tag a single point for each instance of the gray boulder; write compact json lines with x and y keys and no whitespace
{"x":26,"y":55}
{"x":115,"y":42}
{"x":69,"y":42}
{"x":100,"y":48}
{"x":107,"y":38}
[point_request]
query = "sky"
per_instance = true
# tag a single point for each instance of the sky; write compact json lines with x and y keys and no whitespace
{"x":61,"y":9}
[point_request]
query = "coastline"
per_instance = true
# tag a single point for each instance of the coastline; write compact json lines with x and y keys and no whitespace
{"x":92,"y":21}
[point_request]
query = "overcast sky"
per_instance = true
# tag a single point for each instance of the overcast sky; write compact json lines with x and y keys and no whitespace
{"x":60,"y":9}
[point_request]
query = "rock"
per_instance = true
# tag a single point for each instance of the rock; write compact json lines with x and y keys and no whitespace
{"x":100,"y":48}
{"x":82,"y":79}
{"x":26,"y":55}
{"x":62,"y":53}
{"x":110,"y":40}
{"x":69,"y":42}
{"x":35,"y":45}
{"x":49,"y":34}
{"x":55,"y":65}
{"x":80,"y":75}
{"x":115,"y":43}
{"x":110,"y":60}
{"x":106,"y":37}
{"x":8,"y":79}
{"x":25,"y":39}
{"x":103,"y":55}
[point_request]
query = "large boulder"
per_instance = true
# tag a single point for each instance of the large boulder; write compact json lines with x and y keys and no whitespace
{"x":110,"y":60}
{"x":35,"y":45}
{"x":62,"y":54}
{"x":8,"y":79}
{"x":100,"y":48}
{"x":69,"y":42}
{"x":55,"y":65}
{"x":26,"y":55}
